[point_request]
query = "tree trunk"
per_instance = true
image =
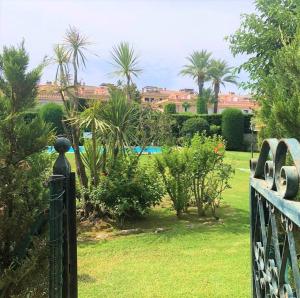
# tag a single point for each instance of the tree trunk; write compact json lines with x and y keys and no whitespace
{"x":216,"y":91}
{"x":128,"y":88}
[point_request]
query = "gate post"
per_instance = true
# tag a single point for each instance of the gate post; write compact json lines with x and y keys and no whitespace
{"x":63,"y":243}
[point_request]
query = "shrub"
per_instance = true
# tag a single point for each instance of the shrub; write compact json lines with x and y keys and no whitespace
{"x":128,"y":189}
{"x":233,"y":128}
{"x":170,"y":108}
{"x":194,"y":125}
{"x":209,"y":173}
{"x":215,"y":129}
{"x":23,"y":171}
{"x":53,"y":113}
{"x":173,"y":165}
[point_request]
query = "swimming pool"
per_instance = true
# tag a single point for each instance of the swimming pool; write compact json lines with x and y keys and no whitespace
{"x":137,"y":149}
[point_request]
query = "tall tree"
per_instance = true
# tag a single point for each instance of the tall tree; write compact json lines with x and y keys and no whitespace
{"x":197,"y":68}
{"x":126,"y":64}
{"x":76,"y":46}
{"x":261,"y":36}
{"x":24,"y":169}
{"x":72,"y":53}
{"x":220,"y":73}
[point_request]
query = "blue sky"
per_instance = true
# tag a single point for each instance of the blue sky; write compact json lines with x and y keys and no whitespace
{"x":162,"y":32}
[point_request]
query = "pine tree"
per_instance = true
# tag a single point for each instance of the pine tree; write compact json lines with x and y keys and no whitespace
{"x":23,"y":165}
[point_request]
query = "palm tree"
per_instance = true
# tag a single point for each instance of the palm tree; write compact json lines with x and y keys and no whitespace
{"x":76,"y":45}
{"x":121,"y":117}
{"x":197,"y":68}
{"x":90,"y":118}
{"x":186,"y":105}
{"x":61,"y":59}
{"x":126,"y":63}
{"x":220,"y":73}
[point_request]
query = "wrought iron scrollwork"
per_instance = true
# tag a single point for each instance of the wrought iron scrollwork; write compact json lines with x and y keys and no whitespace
{"x":275,"y":219}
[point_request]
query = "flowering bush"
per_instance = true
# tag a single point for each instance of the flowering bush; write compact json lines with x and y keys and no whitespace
{"x":210,"y":174}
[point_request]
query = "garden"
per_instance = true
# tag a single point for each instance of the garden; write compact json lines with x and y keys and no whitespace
{"x":174,"y":223}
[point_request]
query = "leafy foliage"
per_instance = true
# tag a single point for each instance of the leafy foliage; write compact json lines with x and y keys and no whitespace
{"x":220,"y":73}
{"x":193,"y":126}
{"x":197,"y":68}
{"x":23,"y":166}
{"x":128,"y":189}
{"x":126,"y":63}
{"x":232,"y":128}
{"x":280,"y":112}
{"x":262,"y":34}
{"x":210,"y":175}
{"x":170,"y":108}
{"x":173,"y":165}
{"x":202,"y":101}
{"x":53,"y":114}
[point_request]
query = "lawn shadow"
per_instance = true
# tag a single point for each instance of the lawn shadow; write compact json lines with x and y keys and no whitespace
{"x":163,"y":224}
{"x":86,"y":278}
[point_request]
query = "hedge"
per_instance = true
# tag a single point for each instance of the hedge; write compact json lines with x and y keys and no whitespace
{"x":53,"y":113}
{"x":194,"y":125}
{"x":233,"y":128}
{"x":213,"y":119}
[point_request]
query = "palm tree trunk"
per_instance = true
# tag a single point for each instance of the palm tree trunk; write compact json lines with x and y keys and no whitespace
{"x":216,"y":91}
{"x":128,"y":88}
{"x":200,"y":86}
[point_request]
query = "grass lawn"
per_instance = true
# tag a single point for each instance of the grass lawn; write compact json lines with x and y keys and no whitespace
{"x":193,"y":258}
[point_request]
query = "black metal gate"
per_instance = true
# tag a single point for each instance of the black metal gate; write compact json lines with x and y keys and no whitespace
{"x":62,"y":221}
{"x":275,"y":219}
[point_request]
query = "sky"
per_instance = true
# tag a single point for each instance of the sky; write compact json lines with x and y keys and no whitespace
{"x":163,"y":33}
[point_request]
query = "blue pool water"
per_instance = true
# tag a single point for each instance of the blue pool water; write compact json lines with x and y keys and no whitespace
{"x":137,"y":149}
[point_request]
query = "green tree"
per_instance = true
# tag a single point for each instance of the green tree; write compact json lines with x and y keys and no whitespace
{"x":121,"y":117}
{"x":261,"y":36}
{"x":197,"y":68}
{"x":233,"y":128}
{"x":186,"y":105}
{"x":93,"y":158}
{"x":23,"y":169}
{"x":126,"y":64}
{"x":282,"y":88}
{"x":170,"y":108}
{"x":207,"y":97}
{"x":53,"y":113}
{"x":220,"y":73}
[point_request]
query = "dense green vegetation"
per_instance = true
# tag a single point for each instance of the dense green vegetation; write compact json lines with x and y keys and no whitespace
{"x":271,"y":42}
{"x":23,"y":172}
{"x":192,"y":258}
{"x":53,"y":113}
{"x":233,"y":128}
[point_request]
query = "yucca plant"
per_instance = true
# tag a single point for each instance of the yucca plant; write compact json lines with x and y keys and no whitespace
{"x":126,"y":63}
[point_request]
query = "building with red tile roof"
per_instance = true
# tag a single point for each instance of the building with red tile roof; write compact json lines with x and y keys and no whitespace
{"x":154,"y":96}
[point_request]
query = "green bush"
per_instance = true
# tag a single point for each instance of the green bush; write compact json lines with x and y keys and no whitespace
{"x":194,"y":125}
{"x":233,"y":128}
{"x":53,"y":113}
{"x":170,"y":108}
{"x":128,"y":189}
{"x":208,"y":171}
{"x":173,"y":165}
{"x":215,"y":129}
